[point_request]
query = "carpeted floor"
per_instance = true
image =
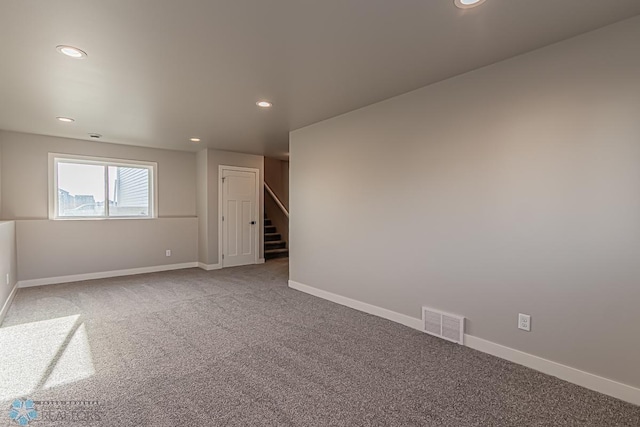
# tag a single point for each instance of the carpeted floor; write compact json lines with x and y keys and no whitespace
{"x":237,"y":347}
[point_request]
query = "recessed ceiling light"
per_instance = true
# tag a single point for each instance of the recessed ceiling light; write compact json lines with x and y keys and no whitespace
{"x":65,"y":119}
{"x":95,"y":135}
{"x":264,"y":104}
{"x":466,"y":4}
{"x":194,"y":139}
{"x":71,"y":51}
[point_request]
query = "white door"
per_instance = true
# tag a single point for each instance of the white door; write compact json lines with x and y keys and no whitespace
{"x":239,"y":218}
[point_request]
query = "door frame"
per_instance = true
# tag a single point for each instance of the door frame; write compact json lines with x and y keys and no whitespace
{"x":258,"y":227}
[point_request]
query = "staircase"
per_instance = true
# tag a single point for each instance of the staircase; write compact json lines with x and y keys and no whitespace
{"x":274,"y":246}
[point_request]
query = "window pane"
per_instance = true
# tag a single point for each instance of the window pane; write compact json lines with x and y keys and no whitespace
{"x":128,"y":191}
{"x":80,"y":190}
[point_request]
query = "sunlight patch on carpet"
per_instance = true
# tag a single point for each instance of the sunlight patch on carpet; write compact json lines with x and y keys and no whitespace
{"x":43,"y":354}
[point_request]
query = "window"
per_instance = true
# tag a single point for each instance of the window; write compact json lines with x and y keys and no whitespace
{"x":93,"y":187}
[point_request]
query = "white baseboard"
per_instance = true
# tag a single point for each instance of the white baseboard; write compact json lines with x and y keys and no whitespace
{"x":585,"y":379}
{"x":7,"y":303}
{"x":209,"y":267}
{"x":104,"y":274}
{"x":409,"y":321}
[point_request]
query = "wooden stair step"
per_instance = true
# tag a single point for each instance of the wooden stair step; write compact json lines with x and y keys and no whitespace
{"x":275,"y":244}
{"x":276,"y":253}
{"x":270,"y":237}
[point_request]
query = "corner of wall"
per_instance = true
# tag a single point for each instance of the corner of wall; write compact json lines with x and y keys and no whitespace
{"x":8,"y":266}
{"x":202,"y":184}
{"x":1,"y":180}
{"x":482,"y":209}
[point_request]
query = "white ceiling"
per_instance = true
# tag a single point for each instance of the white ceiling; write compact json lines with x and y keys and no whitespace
{"x":162,"y":71}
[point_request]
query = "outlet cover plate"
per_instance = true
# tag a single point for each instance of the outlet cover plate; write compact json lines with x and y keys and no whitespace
{"x":524,"y":322}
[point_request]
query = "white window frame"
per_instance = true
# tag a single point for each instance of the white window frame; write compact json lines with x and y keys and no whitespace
{"x":55,"y":158}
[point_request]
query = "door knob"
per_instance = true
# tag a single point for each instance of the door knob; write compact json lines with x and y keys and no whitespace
{"x":253,"y":223}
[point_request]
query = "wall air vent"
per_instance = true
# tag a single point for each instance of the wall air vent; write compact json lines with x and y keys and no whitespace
{"x":444,"y":325}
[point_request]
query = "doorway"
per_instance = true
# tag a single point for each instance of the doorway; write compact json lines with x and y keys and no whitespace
{"x":239,"y":215}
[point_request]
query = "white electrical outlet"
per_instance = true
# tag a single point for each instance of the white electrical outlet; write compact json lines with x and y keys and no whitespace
{"x":524,"y":322}
{"x":168,"y":252}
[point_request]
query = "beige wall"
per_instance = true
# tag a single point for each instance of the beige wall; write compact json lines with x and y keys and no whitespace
{"x":215,"y":158}
{"x":513,"y":188}
{"x":48,"y":249}
{"x":276,"y":174}
{"x":202,"y":205}
{"x":25,"y":173}
{"x":7,"y":262}
{"x":187,"y":187}
{"x":285,"y":182}
{"x":0,"y":174}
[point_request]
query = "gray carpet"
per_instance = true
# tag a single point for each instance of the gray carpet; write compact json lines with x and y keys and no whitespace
{"x":236,"y":347}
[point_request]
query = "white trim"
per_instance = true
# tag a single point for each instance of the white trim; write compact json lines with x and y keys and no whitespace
{"x":104,"y":274}
{"x":55,"y":158}
{"x":209,"y":267}
{"x":220,"y":211}
{"x":53,"y":186}
{"x":7,"y":303}
{"x":585,"y":379}
{"x":258,"y":220}
{"x":403,"y":319}
{"x":261,"y":261}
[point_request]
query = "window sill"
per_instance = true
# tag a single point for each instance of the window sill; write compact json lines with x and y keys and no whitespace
{"x":80,"y":218}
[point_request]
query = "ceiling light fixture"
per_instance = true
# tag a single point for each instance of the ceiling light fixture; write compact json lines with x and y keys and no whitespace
{"x":65,"y":119}
{"x":71,"y":51}
{"x":194,"y":139}
{"x":467,"y":4}
{"x":95,"y":135}
{"x":264,"y":104}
